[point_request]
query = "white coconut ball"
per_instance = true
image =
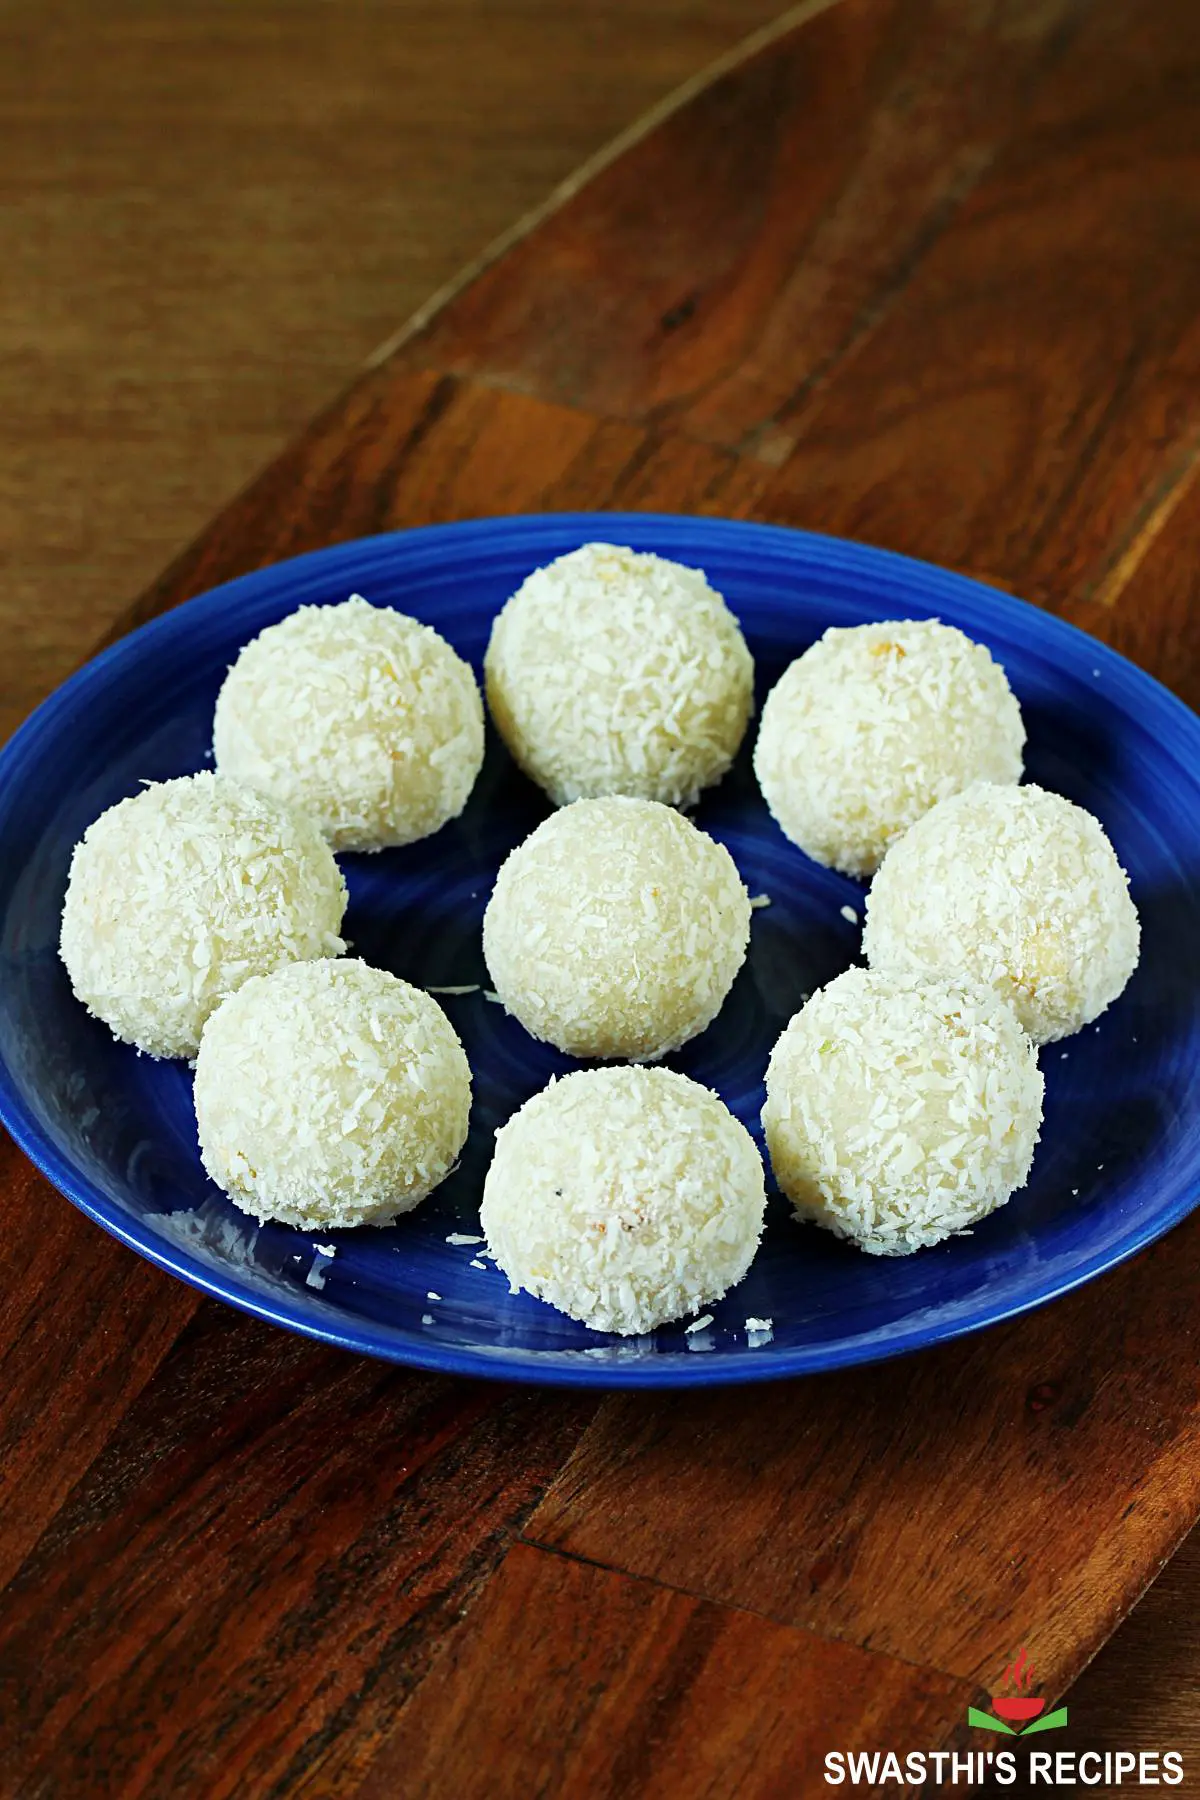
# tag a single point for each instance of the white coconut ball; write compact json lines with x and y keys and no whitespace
{"x":614,"y":672}
{"x":363,"y":717}
{"x":330,"y":1094}
{"x":872,"y":726}
{"x":180,"y":894}
{"x":1016,"y":887}
{"x":616,"y":929}
{"x":899,"y":1112}
{"x":626,"y":1197}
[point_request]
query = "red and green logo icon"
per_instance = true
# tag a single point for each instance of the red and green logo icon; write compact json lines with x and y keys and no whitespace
{"x":1018,"y":1713}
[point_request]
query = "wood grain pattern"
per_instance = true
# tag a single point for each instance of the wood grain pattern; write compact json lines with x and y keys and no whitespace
{"x":249,"y":1576}
{"x":263,"y":1553}
{"x":210,"y":214}
{"x":86,"y":1328}
{"x":900,"y":308}
{"x":1040,"y":367}
{"x":422,"y":448}
{"x":1155,"y":617}
{"x":1015,"y":1477}
{"x":640,"y":1690}
{"x":712,"y":282}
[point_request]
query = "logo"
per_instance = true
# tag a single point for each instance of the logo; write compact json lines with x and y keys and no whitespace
{"x":1018,"y":1712}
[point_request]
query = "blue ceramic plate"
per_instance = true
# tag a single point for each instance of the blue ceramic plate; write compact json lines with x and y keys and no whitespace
{"x":1120,"y":1158}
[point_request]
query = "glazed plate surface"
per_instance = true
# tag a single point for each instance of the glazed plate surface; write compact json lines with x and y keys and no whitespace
{"x":1119,"y":1161}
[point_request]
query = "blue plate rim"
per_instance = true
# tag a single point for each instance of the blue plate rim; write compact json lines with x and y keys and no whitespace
{"x":408,"y":1350}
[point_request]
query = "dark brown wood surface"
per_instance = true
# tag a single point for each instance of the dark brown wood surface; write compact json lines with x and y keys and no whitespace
{"x":212,"y":211}
{"x":923,"y":273}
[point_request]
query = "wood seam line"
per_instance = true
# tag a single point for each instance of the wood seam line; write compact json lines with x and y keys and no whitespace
{"x":874,"y":313}
{"x":655,"y":430}
{"x":527,"y":223}
{"x":1170,"y":491}
{"x":965,"y":1684}
{"x":752,"y":1612}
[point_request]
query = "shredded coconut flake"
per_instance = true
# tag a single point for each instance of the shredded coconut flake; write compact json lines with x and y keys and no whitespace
{"x":700,"y":1324}
{"x":614,"y":672}
{"x":875,"y":724}
{"x":616,"y":929}
{"x":850,"y":916}
{"x":461,"y":1237}
{"x":626,"y":1197}
{"x":1016,"y":887}
{"x":361,"y":716}
{"x":759,"y":900}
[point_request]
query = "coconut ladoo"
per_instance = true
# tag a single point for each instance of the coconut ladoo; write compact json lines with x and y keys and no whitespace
{"x":611,"y":671}
{"x":366,"y":719}
{"x":874,"y":725}
{"x":901,"y":1111}
{"x":1016,"y":887}
{"x":330,"y":1094}
{"x":625,"y":1197}
{"x":616,"y":929}
{"x":182,"y":893}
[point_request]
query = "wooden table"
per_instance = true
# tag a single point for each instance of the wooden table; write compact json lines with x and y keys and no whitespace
{"x":926,"y":274}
